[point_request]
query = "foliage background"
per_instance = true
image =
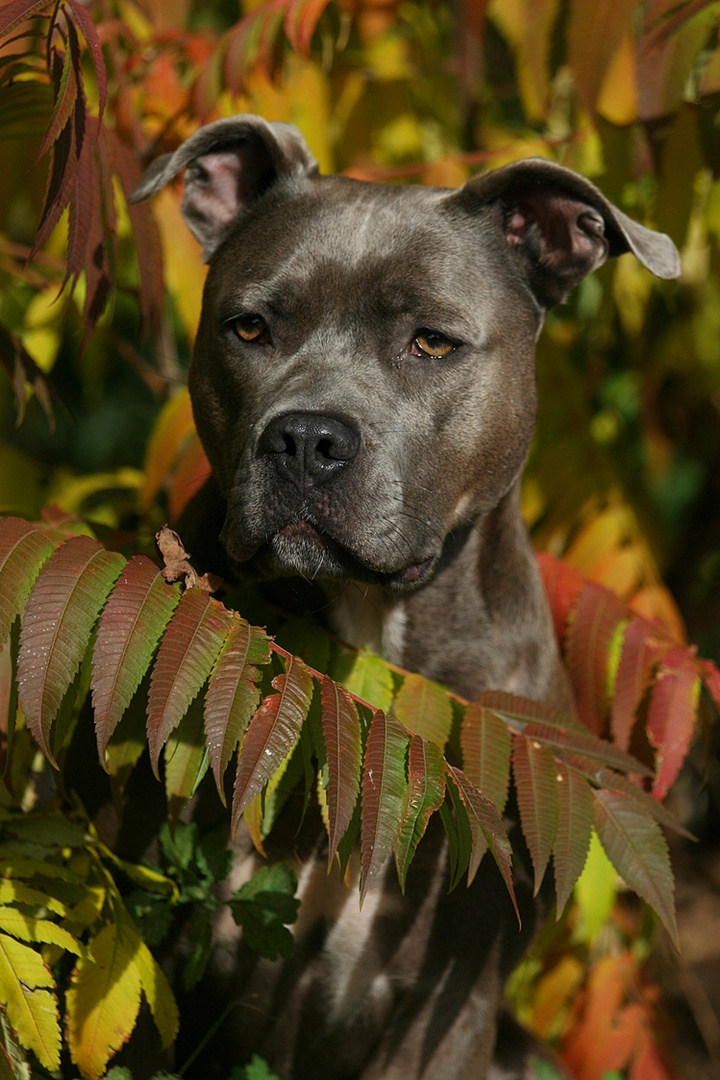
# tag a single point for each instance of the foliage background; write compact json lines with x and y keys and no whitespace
{"x":624,"y":476}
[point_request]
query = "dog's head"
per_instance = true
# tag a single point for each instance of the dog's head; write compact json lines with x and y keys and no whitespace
{"x":363,"y":377}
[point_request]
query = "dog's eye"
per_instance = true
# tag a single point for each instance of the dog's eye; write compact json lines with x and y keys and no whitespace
{"x":432,"y":343}
{"x":252,"y":328}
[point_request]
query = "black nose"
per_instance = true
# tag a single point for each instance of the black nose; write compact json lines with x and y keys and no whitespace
{"x":309,"y":448}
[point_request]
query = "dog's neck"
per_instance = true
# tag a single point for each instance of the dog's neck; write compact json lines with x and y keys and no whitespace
{"x":488,"y":599}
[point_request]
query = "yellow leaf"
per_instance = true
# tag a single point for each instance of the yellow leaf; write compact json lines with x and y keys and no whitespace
{"x":173,"y":428}
{"x":158,"y":993}
{"x":37,"y":930}
{"x":13,"y":891}
{"x":617,"y":100}
{"x":31,"y":1008}
{"x":595,"y":891}
{"x":182,"y":258}
{"x":103,"y":999}
{"x":553,"y":995}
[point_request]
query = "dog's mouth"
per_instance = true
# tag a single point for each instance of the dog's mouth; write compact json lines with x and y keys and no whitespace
{"x":305,"y":550}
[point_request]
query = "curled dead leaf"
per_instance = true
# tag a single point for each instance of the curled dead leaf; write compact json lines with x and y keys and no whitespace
{"x":177,"y":563}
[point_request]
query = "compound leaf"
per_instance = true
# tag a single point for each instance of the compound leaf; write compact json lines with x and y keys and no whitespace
{"x":424,"y":708}
{"x":671,"y":716}
{"x":342,"y":736}
{"x":25,"y":991}
{"x":536,"y":783}
{"x":574,"y":829}
{"x":486,"y":746}
{"x":367,"y":677}
{"x":263,"y":906}
{"x":425,"y":794}
{"x":598,"y":614}
{"x":383,"y":794}
{"x":23,"y":551}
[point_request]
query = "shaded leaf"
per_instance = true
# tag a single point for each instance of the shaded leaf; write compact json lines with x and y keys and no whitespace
{"x":301,"y":18}
{"x":59,"y":616}
{"x":93,"y":43}
{"x":574,"y":742}
{"x":38,"y":931}
{"x":425,"y":794}
{"x":135,"y":616}
{"x":23,"y":370}
{"x":486,"y":746}
{"x":383,"y":794}
{"x":103,"y":998}
{"x":424,"y":708}
{"x":536,"y":784}
{"x":641,"y":648}
{"x":518,"y":712}
{"x":173,"y":428}
{"x":481,"y":810}
{"x":188,"y":650}
{"x":25,"y":982}
{"x":158,"y":994}
{"x":342,"y":737}
{"x":23,"y":551}
{"x":232,"y":695}
{"x":367,"y":677}
{"x":563,"y":585}
{"x":637,"y":849}
{"x":264,"y":906}
{"x":597,"y":615}
{"x":671,"y":715}
{"x":272,"y":733}
{"x":574,"y":829}
{"x":607,"y":778}
{"x":18,"y":11}
{"x":594,"y":33}
{"x":65,"y":99}
{"x":186,"y":760}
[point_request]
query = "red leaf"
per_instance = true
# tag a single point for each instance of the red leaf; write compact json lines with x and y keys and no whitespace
{"x":80,"y":213}
{"x":383,"y":794}
{"x":232,"y":695}
{"x":301,"y":18}
{"x":58,"y":619}
{"x":425,"y":795}
{"x":563,"y":584}
{"x":272,"y":733}
{"x":574,"y":828}
{"x":597,"y":616}
{"x":343,"y":749}
{"x":23,"y":551}
{"x":482,"y":812}
{"x":135,"y":616}
{"x":536,"y":783}
{"x":93,"y":42}
{"x":486,"y":746}
{"x":671,"y":716}
{"x":186,"y":656}
{"x":565,"y":743}
{"x":641,"y":649}
{"x":64,"y":103}
{"x":424,"y":708}
{"x":711,"y":681}
{"x":19,"y":11}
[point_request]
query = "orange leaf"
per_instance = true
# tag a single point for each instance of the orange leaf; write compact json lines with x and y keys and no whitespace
{"x":671,"y":716}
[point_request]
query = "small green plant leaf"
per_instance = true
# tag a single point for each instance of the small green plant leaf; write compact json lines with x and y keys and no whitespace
{"x":264,"y":906}
{"x":187,"y":653}
{"x":343,"y":748}
{"x":536,"y":783}
{"x":23,"y":552}
{"x":272,"y":733}
{"x":424,"y":708}
{"x":425,"y":795}
{"x":574,"y":829}
{"x":58,"y":619}
{"x":383,"y":794}
{"x":137,"y":612}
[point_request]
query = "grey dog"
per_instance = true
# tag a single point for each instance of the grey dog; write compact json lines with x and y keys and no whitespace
{"x":363,"y":384}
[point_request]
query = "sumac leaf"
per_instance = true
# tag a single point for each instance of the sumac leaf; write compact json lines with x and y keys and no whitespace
{"x":18,"y":11}
{"x":577,"y":742}
{"x":130,"y":627}
{"x":367,"y":677}
{"x":518,"y":712}
{"x":59,"y":616}
{"x":671,"y":715}
{"x":480,"y":810}
{"x":636,"y":847}
{"x":603,"y":777}
{"x":186,"y":656}
{"x":186,"y":760}
{"x":272,"y":733}
{"x":383,"y":794}
{"x":93,"y":43}
{"x":301,"y":18}
{"x":23,"y":552}
{"x":26,"y":992}
{"x":425,"y":795}
{"x":563,"y":584}
{"x":343,"y":749}
{"x":594,"y":32}
{"x":598,"y":613}
{"x":232,"y":695}
{"x":536,"y":783}
{"x":641,"y":648}
{"x":574,"y":829}
{"x":424,"y":708}
{"x":486,"y":745}
{"x":64,"y":102}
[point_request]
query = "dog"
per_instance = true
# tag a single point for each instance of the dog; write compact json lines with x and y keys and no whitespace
{"x":363,"y":385}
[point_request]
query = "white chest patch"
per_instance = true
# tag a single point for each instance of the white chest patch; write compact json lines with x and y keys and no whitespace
{"x":365,"y":619}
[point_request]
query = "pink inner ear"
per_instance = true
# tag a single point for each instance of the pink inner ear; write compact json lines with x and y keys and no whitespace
{"x":565,"y":229}
{"x":215,"y":193}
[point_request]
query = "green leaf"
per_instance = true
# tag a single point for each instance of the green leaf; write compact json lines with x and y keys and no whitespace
{"x":158,"y":995}
{"x":383,"y":794}
{"x":37,"y":931}
{"x":256,"y":1070}
{"x":23,"y":552}
{"x":637,"y":849}
{"x":264,"y":906}
{"x":486,"y":746}
{"x":25,"y":985}
{"x":272,"y":733}
{"x":424,"y":708}
{"x":130,"y":627}
{"x":536,"y":783}
{"x":574,"y":829}
{"x":367,"y":677}
{"x":425,"y":795}
{"x":57,"y":622}
{"x":186,"y":760}
{"x":187,"y":653}
{"x":232,"y":695}
{"x":342,"y":737}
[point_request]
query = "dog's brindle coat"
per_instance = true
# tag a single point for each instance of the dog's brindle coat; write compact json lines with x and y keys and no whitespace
{"x":363,"y":384}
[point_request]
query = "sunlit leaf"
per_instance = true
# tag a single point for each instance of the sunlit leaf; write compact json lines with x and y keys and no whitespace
{"x":425,"y":794}
{"x":574,"y":828}
{"x":232,"y":694}
{"x":187,"y":652}
{"x":158,"y":994}
{"x":103,"y":998}
{"x":301,"y":18}
{"x":25,"y":991}
{"x":23,"y":551}
{"x":59,"y":616}
{"x":367,"y":677}
{"x":38,"y":931}
{"x":536,"y":784}
{"x":272,"y":733}
{"x":641,"y":648}
{"x":173,"y":428}
{"x":130,"y":627}
{"x":424,"y":708}
{"x":637,"y":849}
{"x":563,"y":585}
{"x":342,"y":737}
{"x":594,"y":32}
{"x":384,"y":789}
{"x":671,"y":715}
{"x":486,"y":746}
{"x":597,"y":615}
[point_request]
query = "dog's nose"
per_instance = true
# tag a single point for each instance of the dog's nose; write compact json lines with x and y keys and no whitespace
{"x":309,"y":448}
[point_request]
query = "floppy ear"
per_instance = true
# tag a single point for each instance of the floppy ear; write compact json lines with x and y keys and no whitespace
{"x":564,"y":228}
{"x":228,"y":164}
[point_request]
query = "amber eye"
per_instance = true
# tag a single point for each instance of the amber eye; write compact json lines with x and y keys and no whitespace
{"x":252,"y":328}
{"x":431,"y":343}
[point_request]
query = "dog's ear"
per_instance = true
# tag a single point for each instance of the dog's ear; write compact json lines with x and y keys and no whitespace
{"x":228,"y":164}
{"x":565,"y":228}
